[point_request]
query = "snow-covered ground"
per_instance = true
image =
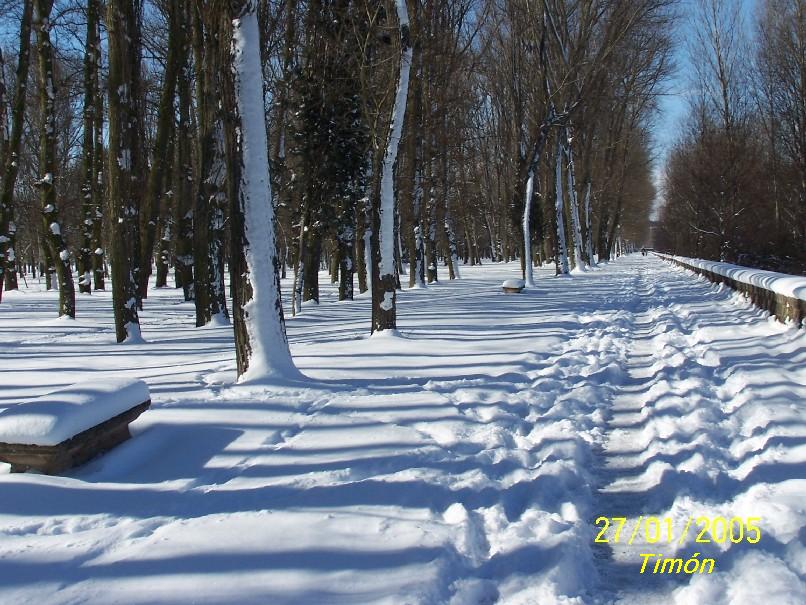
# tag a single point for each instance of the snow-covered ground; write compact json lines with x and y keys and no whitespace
{"x":464,"y":462}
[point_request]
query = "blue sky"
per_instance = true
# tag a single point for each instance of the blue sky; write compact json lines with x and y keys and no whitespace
{"x":673,"y":105}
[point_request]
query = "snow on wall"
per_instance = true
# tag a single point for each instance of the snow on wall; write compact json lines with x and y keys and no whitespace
{"x":793,"y":286}
{"x":62,"y":414}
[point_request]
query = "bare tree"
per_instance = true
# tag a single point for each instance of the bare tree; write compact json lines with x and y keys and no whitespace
{"x":11,"y":157}
{"x":125,"y":163}
{"x":384,"y":283}
{"x":51,"y":226}
{"x":261,"y":345}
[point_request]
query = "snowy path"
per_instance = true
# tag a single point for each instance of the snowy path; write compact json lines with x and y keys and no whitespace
{"x":464,"y":463}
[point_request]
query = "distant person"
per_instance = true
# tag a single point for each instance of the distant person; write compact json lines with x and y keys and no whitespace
{"x":643,"y":251}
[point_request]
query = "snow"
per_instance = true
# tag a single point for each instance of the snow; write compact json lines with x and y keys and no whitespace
{"x":514,"y":283}
{"x":460,"y":462}
{"x":793,"y":286}
{"x":388,"y":301}
{"x":62,"y":414}
{"x":270,"y":358}
{"x":55,"y":229}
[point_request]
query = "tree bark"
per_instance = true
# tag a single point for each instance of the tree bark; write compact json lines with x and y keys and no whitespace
{"x":8,"y":272}
{"x":125,"y":164}
{"x":160,"y":159}
{"x":51,"y":227}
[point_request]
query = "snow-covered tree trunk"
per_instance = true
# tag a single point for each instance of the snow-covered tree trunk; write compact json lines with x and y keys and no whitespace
{"x":453,"y":248}
{"x":432,"y":271}
{"x":3,"y":110}
{"x":51,"y":227}
{"x":90,"y":182}
{"x":562,"y":250}
{"x":125,"y":164}
{"x":417,"y":272}
{"x":8,"y":273}
{"x":261,"y":344}
{"x":98,"y":191}
{"x":363,"y":254}
{"x":384,"y":309}
{"x":576,"y":228}
{"x":418,"y":269}
{"x":528,"y":275}
{"x":588,"y":224}
{"x":346,"y":253}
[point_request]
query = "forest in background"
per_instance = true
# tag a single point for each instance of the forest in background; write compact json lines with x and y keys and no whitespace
{"x":735,"y":183}
{"x":402,"y":140}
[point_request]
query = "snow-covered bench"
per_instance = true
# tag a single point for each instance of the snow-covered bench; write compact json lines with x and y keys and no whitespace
{"x":513,"y":286}
{"x":68,"y":427}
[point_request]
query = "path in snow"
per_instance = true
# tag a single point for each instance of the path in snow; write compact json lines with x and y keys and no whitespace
{"x":463,"y":463}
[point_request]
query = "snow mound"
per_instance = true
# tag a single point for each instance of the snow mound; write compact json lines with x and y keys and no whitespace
{"x":62,"y":414}
{"x":514,"y":283}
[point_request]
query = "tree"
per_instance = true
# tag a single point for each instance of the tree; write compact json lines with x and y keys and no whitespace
{"x":160,"y":159}
{"x":125,"y":164}
{"x":51,"y":227}
{"x":261,"y":345}
{"x":92,"y":183}
{"x":211,"y":198}
{"x":384,"y":283}
{"x":11,"y":155}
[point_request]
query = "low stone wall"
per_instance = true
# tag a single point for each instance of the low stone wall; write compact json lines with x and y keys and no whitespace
{"x":784,"y":308}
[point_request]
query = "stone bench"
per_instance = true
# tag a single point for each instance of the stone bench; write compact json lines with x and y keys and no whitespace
{"x":513,"y":286}
{"x":68,"y":427}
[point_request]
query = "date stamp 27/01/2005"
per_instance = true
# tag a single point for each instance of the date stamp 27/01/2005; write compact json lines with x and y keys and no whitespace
{"x":655,"y":530}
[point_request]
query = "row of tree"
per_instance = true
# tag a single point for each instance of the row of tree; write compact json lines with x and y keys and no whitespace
{"x":735,"y":184}
{"x":369,"y":138}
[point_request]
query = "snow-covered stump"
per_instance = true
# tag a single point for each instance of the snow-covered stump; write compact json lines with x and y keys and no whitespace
{"x":70,"y":426}
{"x":782,"y":295}
{"x":513,"y":286}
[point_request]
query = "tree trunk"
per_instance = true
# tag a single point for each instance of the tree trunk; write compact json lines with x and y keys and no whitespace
{"x":211,"y":198}
{"x":528,"y":275}
{"x":8,"y":273}
{"x":588,"y":225}
{"x":183,"y":190}
{"x":384,"y":291}
{"x":90,"y":183}
{"x":160,"y":159}
{"x":311,"y":260}
{"x":125,"y":164}
{"x":98,"y":190}
{"x":576,"y":229}
{"x":561,"y":257}
{"x":261,"y":345}
{"x":51,"y":227}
